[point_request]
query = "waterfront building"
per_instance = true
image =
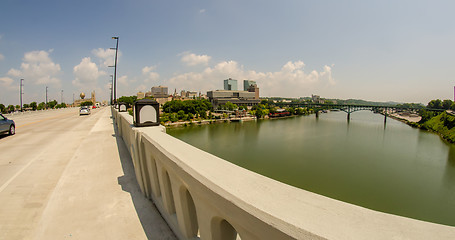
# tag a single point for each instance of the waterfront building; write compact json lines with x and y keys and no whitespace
{"x":230,"y":84}
{"x":316,"y":99}
{"x":254,"y":88}
{"x":188,"y":94}
{"x":160,"y":92}
{"x":243,"y":98}
{"x":140,"y":95}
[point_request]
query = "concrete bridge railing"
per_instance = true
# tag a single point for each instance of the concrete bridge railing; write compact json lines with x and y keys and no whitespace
{"x":203,"y":196}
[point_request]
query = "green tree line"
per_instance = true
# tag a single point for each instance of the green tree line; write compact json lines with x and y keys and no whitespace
{"x":33,"y":106}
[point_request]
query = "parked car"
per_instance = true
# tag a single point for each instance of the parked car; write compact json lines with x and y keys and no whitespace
{"x":84,"y":111}
{"x":7,"y":125}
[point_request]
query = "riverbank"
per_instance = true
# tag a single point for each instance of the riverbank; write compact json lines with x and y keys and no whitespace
{"x":443,"y":124}
{"x":206,"y":121}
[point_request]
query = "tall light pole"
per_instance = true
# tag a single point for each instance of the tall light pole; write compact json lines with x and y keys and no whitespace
{"x":115,"y":70}
{"x":22,"y":93}
{"x":46,"y":97}
{"x":61,"y":98}
{"x":112,"y":88}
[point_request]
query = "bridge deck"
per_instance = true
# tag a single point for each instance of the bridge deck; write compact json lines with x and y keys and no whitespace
{"x":64,"y":176}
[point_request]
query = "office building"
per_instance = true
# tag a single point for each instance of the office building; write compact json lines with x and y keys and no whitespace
{"x":254,"y":88}
{"x":140,"y":95}
{"x":247,"y":84}
{"x":230,"y":84}
{"x":160,"y":92}
{"x":240,"y":98}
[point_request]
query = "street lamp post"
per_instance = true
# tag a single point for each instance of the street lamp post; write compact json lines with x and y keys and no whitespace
{"x":46,"y":97}
{"x":115,"y":70}
{"x":112,"y":86}
{"x":22,"y":85}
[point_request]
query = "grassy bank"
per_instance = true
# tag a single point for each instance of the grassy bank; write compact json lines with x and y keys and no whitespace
{"x":443,"y":124}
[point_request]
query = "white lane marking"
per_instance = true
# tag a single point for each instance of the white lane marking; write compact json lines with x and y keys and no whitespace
{"x":15,"y":175}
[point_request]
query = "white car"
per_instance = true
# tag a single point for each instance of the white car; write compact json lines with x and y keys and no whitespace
{"x":84,"y":111}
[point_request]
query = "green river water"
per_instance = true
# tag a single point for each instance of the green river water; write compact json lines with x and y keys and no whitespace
{"x":393,"y":168}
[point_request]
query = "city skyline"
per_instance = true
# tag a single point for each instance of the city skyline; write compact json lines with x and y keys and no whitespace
{"x":376,"y":51}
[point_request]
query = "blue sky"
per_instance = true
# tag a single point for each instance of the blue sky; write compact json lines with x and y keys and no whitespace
{"x":373,"y":50}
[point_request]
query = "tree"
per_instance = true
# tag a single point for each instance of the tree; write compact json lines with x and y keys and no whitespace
{"x":446,"y":104}
{"x":61,"y":105}
{"x":181,"y":114}
{"x":130,"y":100}
{"x":52,"y":104}
{"x":18,"y":107}
{"x":25,"y":106}
{"x":259,"y":113}
{"x":41,"y":106}
{"x":10,"y":108}
{"x":173,"y":117}
{"x":230,"y":106}
{"x":290,"y":110}
{"x":33,"y":106}
{"x":436,"y":104}
{"x":87,"y":103}
{"x":2,"y":108}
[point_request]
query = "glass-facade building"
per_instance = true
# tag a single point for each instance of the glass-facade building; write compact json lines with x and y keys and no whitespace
{"x":247,"y":84}
{"x":230,"y":84}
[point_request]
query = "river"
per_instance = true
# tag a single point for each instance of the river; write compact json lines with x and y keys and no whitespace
{"x":393,"y":168}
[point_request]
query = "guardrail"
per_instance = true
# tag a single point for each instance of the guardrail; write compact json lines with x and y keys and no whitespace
{"x":203,"y":196}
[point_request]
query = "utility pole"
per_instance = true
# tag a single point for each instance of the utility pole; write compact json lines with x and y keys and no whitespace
{"x":112,"y":86}
{"x":73,"y":99}
{"x":22,"y":93}
{"x":46,"y":97}
{"x":61,"y":98}
{"x":115,"y":70}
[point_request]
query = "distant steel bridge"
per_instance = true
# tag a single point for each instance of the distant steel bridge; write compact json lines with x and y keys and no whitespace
{"x":350,"y":108}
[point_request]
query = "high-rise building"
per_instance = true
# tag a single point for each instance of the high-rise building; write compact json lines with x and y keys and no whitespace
{"x":230,"y":84}
{"x":254,"y":88}
{"x":159,"y":92}
{"x":247,"y":84}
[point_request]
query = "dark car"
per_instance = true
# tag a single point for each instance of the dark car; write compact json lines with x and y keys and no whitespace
{"x":7,"y":125}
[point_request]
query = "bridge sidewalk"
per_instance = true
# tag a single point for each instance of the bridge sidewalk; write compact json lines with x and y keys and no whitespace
{"x":98,"y":197}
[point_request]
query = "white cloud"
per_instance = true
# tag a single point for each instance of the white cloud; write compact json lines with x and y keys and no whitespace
{"x":192,"y":59}
{"x":291,"y":80}
{"x":38,"y":67}
{"x":149,"y":75}
{"x":1,"y":57}
{"x":7,"y":83}
{"x":124,"y":80}
{"x":202,"y":11}
{"x":107,"y":56}
{"x":142,"y":88}
{"x":14,"y":72}
{"x":86,"y":73}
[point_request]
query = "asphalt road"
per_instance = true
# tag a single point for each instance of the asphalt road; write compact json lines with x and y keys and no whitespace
{"x":63,"y":175}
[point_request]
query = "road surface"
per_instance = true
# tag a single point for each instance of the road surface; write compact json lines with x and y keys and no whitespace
{"x":68,"y":176}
